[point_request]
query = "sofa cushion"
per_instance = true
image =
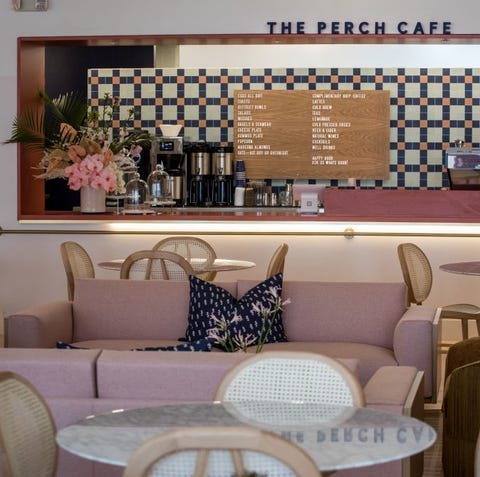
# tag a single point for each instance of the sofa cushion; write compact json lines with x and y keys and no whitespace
{"x":74,"y":378}
{"x":355,"y":312}
{"x":163,"y":376}
{"x":213,"y":311}
{"x":131,"y":309}
{"x":370,"y":357}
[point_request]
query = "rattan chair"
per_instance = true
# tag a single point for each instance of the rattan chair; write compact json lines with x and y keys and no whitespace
{"x":77,"y":263}
{"x":417,"y":274}
{"x":220,"y":451}
{"x":156,"y":265}
{"x":476,"y":465}
{"x":461,"y":408}
{"x":191,"y":247}
{"x":291,"y":375}
{"x":27,"y":430}
{"x":277,"y":262}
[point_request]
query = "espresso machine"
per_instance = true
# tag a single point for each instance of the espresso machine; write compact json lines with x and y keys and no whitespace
{"x":222,"y":184}
{"x":199,"y":176}
{"x":169,"y":152}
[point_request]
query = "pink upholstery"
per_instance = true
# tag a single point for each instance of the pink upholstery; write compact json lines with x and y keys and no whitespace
{"x":365,"y":321}
{"x":162,"y":374}
{"x":40,"y":326}
{"x":110,"y":309}
{"x":352,"y":312}
{"x":53,"y":371}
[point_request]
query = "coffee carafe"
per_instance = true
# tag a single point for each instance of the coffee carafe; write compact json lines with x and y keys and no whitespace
{"x":200,"y":178}
{"x":222,"y":165}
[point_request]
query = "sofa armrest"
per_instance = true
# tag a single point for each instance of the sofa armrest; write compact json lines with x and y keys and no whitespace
{"x":415,"y":343}
{"x":399,"y":389}
{"x":40,"y":326}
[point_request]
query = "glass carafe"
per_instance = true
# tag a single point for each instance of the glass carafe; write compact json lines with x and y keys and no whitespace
{"x":159,"y":186}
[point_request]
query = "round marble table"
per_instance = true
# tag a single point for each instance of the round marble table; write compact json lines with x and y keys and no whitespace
{"x":462,"y":268}
{"x":198,"y":264}
{"x":336,"y":437}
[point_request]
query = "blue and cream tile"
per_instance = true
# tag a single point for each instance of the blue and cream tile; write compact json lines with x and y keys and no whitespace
{"x":430,"y":108}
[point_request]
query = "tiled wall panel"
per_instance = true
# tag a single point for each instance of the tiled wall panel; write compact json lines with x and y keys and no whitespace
{"x":430,"y":108}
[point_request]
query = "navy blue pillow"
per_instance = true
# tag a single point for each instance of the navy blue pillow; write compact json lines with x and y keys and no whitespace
{"x":198,"y":345}
{"x":207,"y":299}
{"x":62,"y":345}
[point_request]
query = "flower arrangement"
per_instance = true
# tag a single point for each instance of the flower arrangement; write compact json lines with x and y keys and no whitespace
{"x":79,"y":145}
{"x":222,"y":335}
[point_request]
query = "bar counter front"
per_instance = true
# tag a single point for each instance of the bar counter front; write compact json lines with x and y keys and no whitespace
{"x":340,"y":205}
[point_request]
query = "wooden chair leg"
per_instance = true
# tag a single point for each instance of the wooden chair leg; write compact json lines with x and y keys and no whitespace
{"x":465,"y":329}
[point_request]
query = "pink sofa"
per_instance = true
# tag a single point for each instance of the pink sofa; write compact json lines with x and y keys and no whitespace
{"x":369,"y":322}
{"x":78,"y":383}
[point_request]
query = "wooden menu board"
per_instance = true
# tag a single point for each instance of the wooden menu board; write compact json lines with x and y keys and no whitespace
{"x":313,"y":134}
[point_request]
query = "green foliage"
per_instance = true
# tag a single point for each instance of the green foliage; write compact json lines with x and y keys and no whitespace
{"x":39,"y":126}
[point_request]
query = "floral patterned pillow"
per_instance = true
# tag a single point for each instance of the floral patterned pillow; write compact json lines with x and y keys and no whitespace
{"x":252,"y":320}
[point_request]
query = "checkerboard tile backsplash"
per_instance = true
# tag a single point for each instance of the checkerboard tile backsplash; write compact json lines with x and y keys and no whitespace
{"x":429,"y":107}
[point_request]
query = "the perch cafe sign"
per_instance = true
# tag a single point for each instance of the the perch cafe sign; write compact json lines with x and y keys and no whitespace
{"x":359,"y":28}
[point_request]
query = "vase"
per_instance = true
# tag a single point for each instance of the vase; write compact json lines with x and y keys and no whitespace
{"x":92,"y":201}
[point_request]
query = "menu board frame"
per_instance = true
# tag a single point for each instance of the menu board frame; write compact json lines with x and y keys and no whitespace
{"x":313,"y":134}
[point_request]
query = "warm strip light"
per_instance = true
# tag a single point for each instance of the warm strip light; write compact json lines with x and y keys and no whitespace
{"x":387,"y":228}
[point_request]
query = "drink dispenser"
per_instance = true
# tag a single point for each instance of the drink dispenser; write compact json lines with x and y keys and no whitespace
{"x":135,"y":195}
{"x":222,"y":164}
{"x":200,"y":179}
{"x":169,"y":151}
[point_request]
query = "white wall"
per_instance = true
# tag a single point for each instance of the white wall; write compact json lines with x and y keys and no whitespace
{"x":30,"y":265}
{"x":330,"y":56}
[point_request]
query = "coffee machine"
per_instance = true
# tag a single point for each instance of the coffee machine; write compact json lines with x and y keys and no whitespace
{"x":222,"y":184}
{"x":200,"y":176}
{"x":169,"y":152}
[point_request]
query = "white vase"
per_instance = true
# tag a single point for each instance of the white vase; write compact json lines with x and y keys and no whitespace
{"x":92,"y":201}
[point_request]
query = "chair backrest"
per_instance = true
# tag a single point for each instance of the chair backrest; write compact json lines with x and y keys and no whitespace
{"x":277,"y":262}
{"x":156,"y":265}
{"x":27,"y":430}
{"x":220,"y":451}
{"x":461,"y":420}
{"x":416,"y":271}
{"x":291,"y":375}
{"x":77,"y":263}
{"x":190,"y":247}
{"x":462,"y":353}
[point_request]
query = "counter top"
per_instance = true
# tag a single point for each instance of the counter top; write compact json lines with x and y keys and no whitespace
{"x":359,"y":205}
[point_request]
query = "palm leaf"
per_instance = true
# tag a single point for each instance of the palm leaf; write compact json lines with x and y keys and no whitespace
{"x":68,"y":108}
{"x":41,"y":128}
{"x":28,"y":129}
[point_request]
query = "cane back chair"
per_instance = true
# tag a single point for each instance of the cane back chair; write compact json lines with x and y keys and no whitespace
{"x":27,"y":430}
{"x":77,"y":264}
{"x":156,"y":265}
{"x":220,"y":451}
{"x":191,"y":247}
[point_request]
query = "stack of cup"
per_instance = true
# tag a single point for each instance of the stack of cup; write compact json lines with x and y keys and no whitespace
{"x":240,"y":177}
